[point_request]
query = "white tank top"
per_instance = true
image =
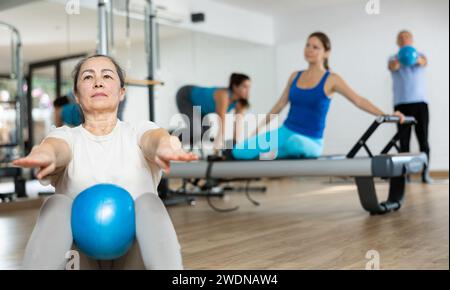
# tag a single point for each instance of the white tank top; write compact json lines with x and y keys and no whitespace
{"x":115,"y":158}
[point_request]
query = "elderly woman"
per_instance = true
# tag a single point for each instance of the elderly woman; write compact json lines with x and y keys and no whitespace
{"x":103,"y":150}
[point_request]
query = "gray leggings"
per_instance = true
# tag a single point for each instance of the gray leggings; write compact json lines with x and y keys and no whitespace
{"x":52,"y":239}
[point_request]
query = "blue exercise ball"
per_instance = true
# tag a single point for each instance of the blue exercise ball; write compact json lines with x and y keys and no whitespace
{"x":408,"y":55}
{"x":103,"y":221}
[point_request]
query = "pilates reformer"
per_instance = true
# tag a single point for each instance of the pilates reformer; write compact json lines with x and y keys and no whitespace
{"x":392,"y":167}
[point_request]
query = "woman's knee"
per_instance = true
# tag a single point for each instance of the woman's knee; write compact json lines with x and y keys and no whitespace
{"x":155,"y":232}
{"x":149,"y":202}
{"x":298,"y":146}
{"x":151,"y":213}
{"x":244,"y":154}
{"x":57,"y":204}
{"x":314,"y":152}
{"x":250,"y":149}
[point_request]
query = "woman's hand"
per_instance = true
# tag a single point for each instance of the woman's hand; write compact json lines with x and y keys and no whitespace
{"x":169,"y":149}
{"x":400,"y":115}
{"x":45,"y":161}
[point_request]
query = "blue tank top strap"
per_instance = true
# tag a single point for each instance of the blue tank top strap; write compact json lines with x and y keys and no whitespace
{"x":297,"y":77}
{"x":230,"y":94}
{"x":324,"y":79}
{"x":232,"y":105}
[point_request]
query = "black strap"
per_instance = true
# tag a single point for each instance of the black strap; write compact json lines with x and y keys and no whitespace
{"x":210,"y":183}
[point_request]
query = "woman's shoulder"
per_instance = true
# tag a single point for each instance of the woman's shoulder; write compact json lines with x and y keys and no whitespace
{"x":65,"y":133}
{"x":222,"y":93}
{"x":135,"y":125}
{"x":293,"y":75}
{"x":64,"y":130}
{"x":138,"y":128}
{"x":296,"y":73}
{"x":334,"y":77}
{"x":133,"y":131}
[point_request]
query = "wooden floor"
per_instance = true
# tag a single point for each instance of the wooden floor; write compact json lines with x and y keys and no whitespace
{"x":302,"y":223}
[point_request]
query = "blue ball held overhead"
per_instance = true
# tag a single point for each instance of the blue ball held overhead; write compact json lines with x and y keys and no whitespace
{"x":103,"y":221}
{"x":408,"y":56}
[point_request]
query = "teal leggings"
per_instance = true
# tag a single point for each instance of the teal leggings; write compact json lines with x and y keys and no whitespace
{"x":282,"y":142}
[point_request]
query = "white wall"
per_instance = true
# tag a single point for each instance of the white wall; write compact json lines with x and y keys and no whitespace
{"x":221,"y":19}
{"x":362,"y":44}
{"x":232,"y":22}
{"x":201,"y":59}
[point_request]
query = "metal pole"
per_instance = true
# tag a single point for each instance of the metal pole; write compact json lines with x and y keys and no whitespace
{"x":17,"y":73}
{"x":13,"y":56}
{"x":149,"y":49}
{"x":20,"y":94}
{"x":102,"y":45}
{"x":111,"y":25}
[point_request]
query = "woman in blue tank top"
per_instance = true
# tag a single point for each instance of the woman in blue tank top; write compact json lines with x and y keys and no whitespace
{"x":309,"y":94}
{"x":196,"y":102}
